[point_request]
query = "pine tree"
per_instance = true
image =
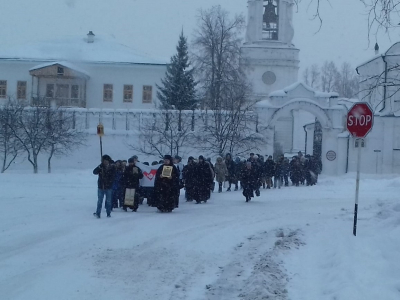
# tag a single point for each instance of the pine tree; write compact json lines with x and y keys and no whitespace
{"x":178,"y":86}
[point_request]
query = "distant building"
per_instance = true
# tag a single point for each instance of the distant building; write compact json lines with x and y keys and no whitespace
{"x":86,"y":72}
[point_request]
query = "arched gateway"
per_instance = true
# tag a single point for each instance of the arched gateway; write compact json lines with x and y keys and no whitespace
{"x":326,"y":107}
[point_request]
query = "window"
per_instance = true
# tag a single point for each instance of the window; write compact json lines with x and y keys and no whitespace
{"x":147,"y":93}
{"x":128,"y":93}
{"x":75,"y":91}
{"x":50,"y":90}
{"x":62,"y":91}
{"x":21,"y":89}
{"x":108,"y":93}
{"x":60,"y":71}
{"x":3,"y":88}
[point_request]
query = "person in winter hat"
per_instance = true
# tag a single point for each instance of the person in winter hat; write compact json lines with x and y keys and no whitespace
{"x":269,"y":169}
{"x":249,"y":179}
{"x":118,"y":188}
{"x":221,"y":172}
{"x":231,"y":177}
{"x":167,"y":188}
{"x":106,"y":174}
{"x":189,"y":179}
{"x":204,"y":178}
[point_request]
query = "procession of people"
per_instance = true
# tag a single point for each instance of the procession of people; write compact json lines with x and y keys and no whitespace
{"x":125,"y":184}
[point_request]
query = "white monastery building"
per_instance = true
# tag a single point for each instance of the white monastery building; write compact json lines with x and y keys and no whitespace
{"x":84,"y":72}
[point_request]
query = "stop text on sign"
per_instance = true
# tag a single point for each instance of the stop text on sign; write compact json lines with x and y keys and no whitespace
{"x":362,"y":120}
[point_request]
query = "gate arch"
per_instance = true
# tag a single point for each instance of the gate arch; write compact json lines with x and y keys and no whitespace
{"x":302,"y":104}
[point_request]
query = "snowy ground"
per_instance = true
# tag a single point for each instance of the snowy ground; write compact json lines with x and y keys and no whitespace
{"x":293,"y":243}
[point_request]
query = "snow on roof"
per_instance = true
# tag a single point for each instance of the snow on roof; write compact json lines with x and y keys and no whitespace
{"x":393,"y":50}
{"x":62,"y":63}
{"x":77,"y":49}
{"x":286,"y":90}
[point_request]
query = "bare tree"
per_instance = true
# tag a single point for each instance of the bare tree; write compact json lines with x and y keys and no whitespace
{"x":232,"y":129}
{"x":63,"y":136}
{"x":38,"y":129}
{"x":314,"y":76}
{"x":346,"y":83}
{"x":222,"y":84}
{"x":381,"y":88}
{"x":168,"y":131}
{"x":328,"y":76}
{"x":306,"y":76}
{"x":10,"y":146}
{"x":31,"y":132}
{"x":216,"y":53}
{"x":311,"y":76}
{"x":382,"y":14}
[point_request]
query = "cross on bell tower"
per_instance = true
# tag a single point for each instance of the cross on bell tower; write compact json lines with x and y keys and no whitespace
{"x":270,"y":23}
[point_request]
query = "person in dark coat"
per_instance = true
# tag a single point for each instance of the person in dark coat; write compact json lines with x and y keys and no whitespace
{"x":231,"y":178}
{"x":204,"y":178}
{"x":286,"y":171}
{"x":167,"y":188}
{"x":269,"y":169}
{"x":257,"y":170}
{"x":295,"y":171}
{"x":118,"y":193}
{"x":278,"y":176}
{"x":132,"y":176}
{"x":311,"y":169}
{"x":189,"y":178}
{"x":239,"y":165}
{"x":220,"y":172}
{"x":249,"y":180}
{"x":106,"y":173}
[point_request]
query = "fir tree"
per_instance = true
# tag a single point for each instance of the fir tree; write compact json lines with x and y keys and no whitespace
{"x":178,"y":86}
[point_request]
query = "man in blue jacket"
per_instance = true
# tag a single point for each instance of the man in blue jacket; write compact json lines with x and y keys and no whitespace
{"x":106,"y":173}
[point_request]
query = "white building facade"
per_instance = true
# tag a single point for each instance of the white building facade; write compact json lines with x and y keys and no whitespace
{"x":80,"y":72}
{"x":379,"y":86}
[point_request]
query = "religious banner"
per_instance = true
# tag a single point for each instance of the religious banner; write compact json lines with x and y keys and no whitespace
{"x":129,"y":197}
{"x":167,"y":171}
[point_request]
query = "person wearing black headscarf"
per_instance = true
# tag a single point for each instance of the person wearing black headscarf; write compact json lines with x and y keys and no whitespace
{"x":189,"y":179}
{"x":132,"y":176}
{"x":167,"y":188}
{"x":203,"y":180}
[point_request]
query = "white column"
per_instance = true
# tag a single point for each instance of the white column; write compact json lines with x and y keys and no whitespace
{"x":329,"y":143}
{"x":254,"y":21}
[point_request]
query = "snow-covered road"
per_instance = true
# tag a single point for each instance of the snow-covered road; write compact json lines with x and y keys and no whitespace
{"x":294,"y":243}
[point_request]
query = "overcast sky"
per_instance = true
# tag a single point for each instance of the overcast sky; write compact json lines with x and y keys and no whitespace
{"x":153,"y":26}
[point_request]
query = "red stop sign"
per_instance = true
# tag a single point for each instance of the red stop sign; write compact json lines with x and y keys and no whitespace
{"x":360,"y":120}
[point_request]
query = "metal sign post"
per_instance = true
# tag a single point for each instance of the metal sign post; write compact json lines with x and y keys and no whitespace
{"x":360,"y":120}
{"x":357,"y":189}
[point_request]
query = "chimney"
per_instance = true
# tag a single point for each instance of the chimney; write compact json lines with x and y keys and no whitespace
{"x":376,"y":49}
{"x":90,"y":37}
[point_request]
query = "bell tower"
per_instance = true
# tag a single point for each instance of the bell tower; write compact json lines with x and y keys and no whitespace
{"x":269,"y":57}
